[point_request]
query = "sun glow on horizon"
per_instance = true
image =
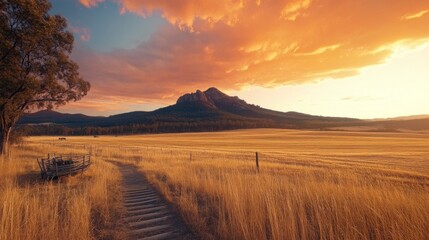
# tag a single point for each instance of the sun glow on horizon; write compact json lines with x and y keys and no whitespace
{"x":397,"y":87}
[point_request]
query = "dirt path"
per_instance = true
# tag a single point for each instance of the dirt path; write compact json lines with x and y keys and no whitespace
{"x":148,"y":215}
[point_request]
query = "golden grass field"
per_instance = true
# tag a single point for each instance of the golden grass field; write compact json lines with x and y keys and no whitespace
{"x":311,"y":185}
{"x":79,"y":207}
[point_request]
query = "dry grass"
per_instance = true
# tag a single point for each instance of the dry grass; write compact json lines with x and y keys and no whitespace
{"x":78,"y":207}
{"x":312,"y":185}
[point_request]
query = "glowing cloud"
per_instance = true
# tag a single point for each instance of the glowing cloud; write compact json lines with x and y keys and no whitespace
{"x":84,"y":33}
{"x":235,"y":43}
{"x":182,"y":13}
{"x":90,"y":3}
{"x":416,"y":15}
{"x":319,"y":50}
{"x":292,"y":10}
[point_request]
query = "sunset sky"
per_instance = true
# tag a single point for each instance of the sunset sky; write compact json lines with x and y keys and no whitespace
{"x":365,"y":58}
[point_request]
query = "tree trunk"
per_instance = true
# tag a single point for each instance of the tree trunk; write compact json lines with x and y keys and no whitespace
{"x":4,"y":140}
{"x":6,"y":124}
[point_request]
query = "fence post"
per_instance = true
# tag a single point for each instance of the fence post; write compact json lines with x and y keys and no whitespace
{"x":44,"y":166}
{"x":56,"y":167}
{"x":83,"y":164}
{"x":257,"y":161}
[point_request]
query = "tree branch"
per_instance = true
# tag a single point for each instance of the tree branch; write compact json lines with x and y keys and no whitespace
{"x":9,"y":50}
{"x":20,"y":89}
{"x":44,"y":100}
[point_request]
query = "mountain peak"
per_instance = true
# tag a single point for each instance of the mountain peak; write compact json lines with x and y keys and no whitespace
{"x":209,"y":97}
{"x":214,"y":94}
{"x":196,"y":97}
{"x":215,"y":99}
{"x":213,"y":89}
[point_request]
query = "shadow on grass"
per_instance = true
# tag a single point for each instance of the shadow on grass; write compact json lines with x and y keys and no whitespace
{"x":29,"y":179}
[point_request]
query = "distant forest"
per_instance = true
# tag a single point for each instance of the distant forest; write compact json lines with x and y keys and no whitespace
{"x":157,"y":127}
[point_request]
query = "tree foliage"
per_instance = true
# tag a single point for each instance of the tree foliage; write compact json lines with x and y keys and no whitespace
{"x":36,"y":71}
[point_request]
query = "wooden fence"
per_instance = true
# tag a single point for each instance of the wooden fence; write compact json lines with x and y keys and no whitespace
{"x":54,"y":167}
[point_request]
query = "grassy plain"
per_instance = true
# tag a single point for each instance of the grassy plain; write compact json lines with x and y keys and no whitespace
{"x":79,"y":207}
{"x":311,"y":184}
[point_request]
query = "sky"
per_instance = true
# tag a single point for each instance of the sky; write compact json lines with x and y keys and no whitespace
{"x":364,"y":59}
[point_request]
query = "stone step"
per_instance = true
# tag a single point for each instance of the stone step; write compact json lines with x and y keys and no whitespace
{"x":141,"y":203}
{"x":160,"y":236}
{"x":141,"y":195}
{"x":150,"y":229}
{"x":137,"y":190}
{"x":146,"y":210}
{"x":143,"y":206}
{"x":140,"y":199}
{"x":150,"y":221}
{"x":145,"y":216}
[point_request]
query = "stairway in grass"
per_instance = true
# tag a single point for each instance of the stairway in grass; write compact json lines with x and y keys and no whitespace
{"x":148,"y":215}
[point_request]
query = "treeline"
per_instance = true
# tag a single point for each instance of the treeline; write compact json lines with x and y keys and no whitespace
{"x":157,"y":127}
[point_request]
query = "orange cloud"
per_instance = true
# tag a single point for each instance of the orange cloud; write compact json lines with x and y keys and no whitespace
{"x":184,"y":12}
{"x":415,"y":15}
{"x":234,"y":43}
{"x":84,"y":33}
{"x":90,"y":3}
{"x":293,"y":9}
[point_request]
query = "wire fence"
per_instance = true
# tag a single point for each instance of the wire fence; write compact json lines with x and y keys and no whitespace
{"x":295,"y":159}
{"x":178,"y":153}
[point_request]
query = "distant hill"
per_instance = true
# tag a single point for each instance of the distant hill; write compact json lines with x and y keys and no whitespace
{"x":211,"y":110}
{"x":47,"y":116}
{"x":412,"y":117}
{"x":419,"y":124}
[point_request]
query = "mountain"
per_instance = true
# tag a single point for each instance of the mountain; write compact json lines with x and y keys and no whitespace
{"x":209,"y":110}
{"x":412,"y":117}
{"x":214,"y":99}
{"x":51,"y":117}
{"x":211,"y":104}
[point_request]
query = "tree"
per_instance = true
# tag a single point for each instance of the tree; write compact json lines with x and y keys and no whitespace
{"x":36,"y":71}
